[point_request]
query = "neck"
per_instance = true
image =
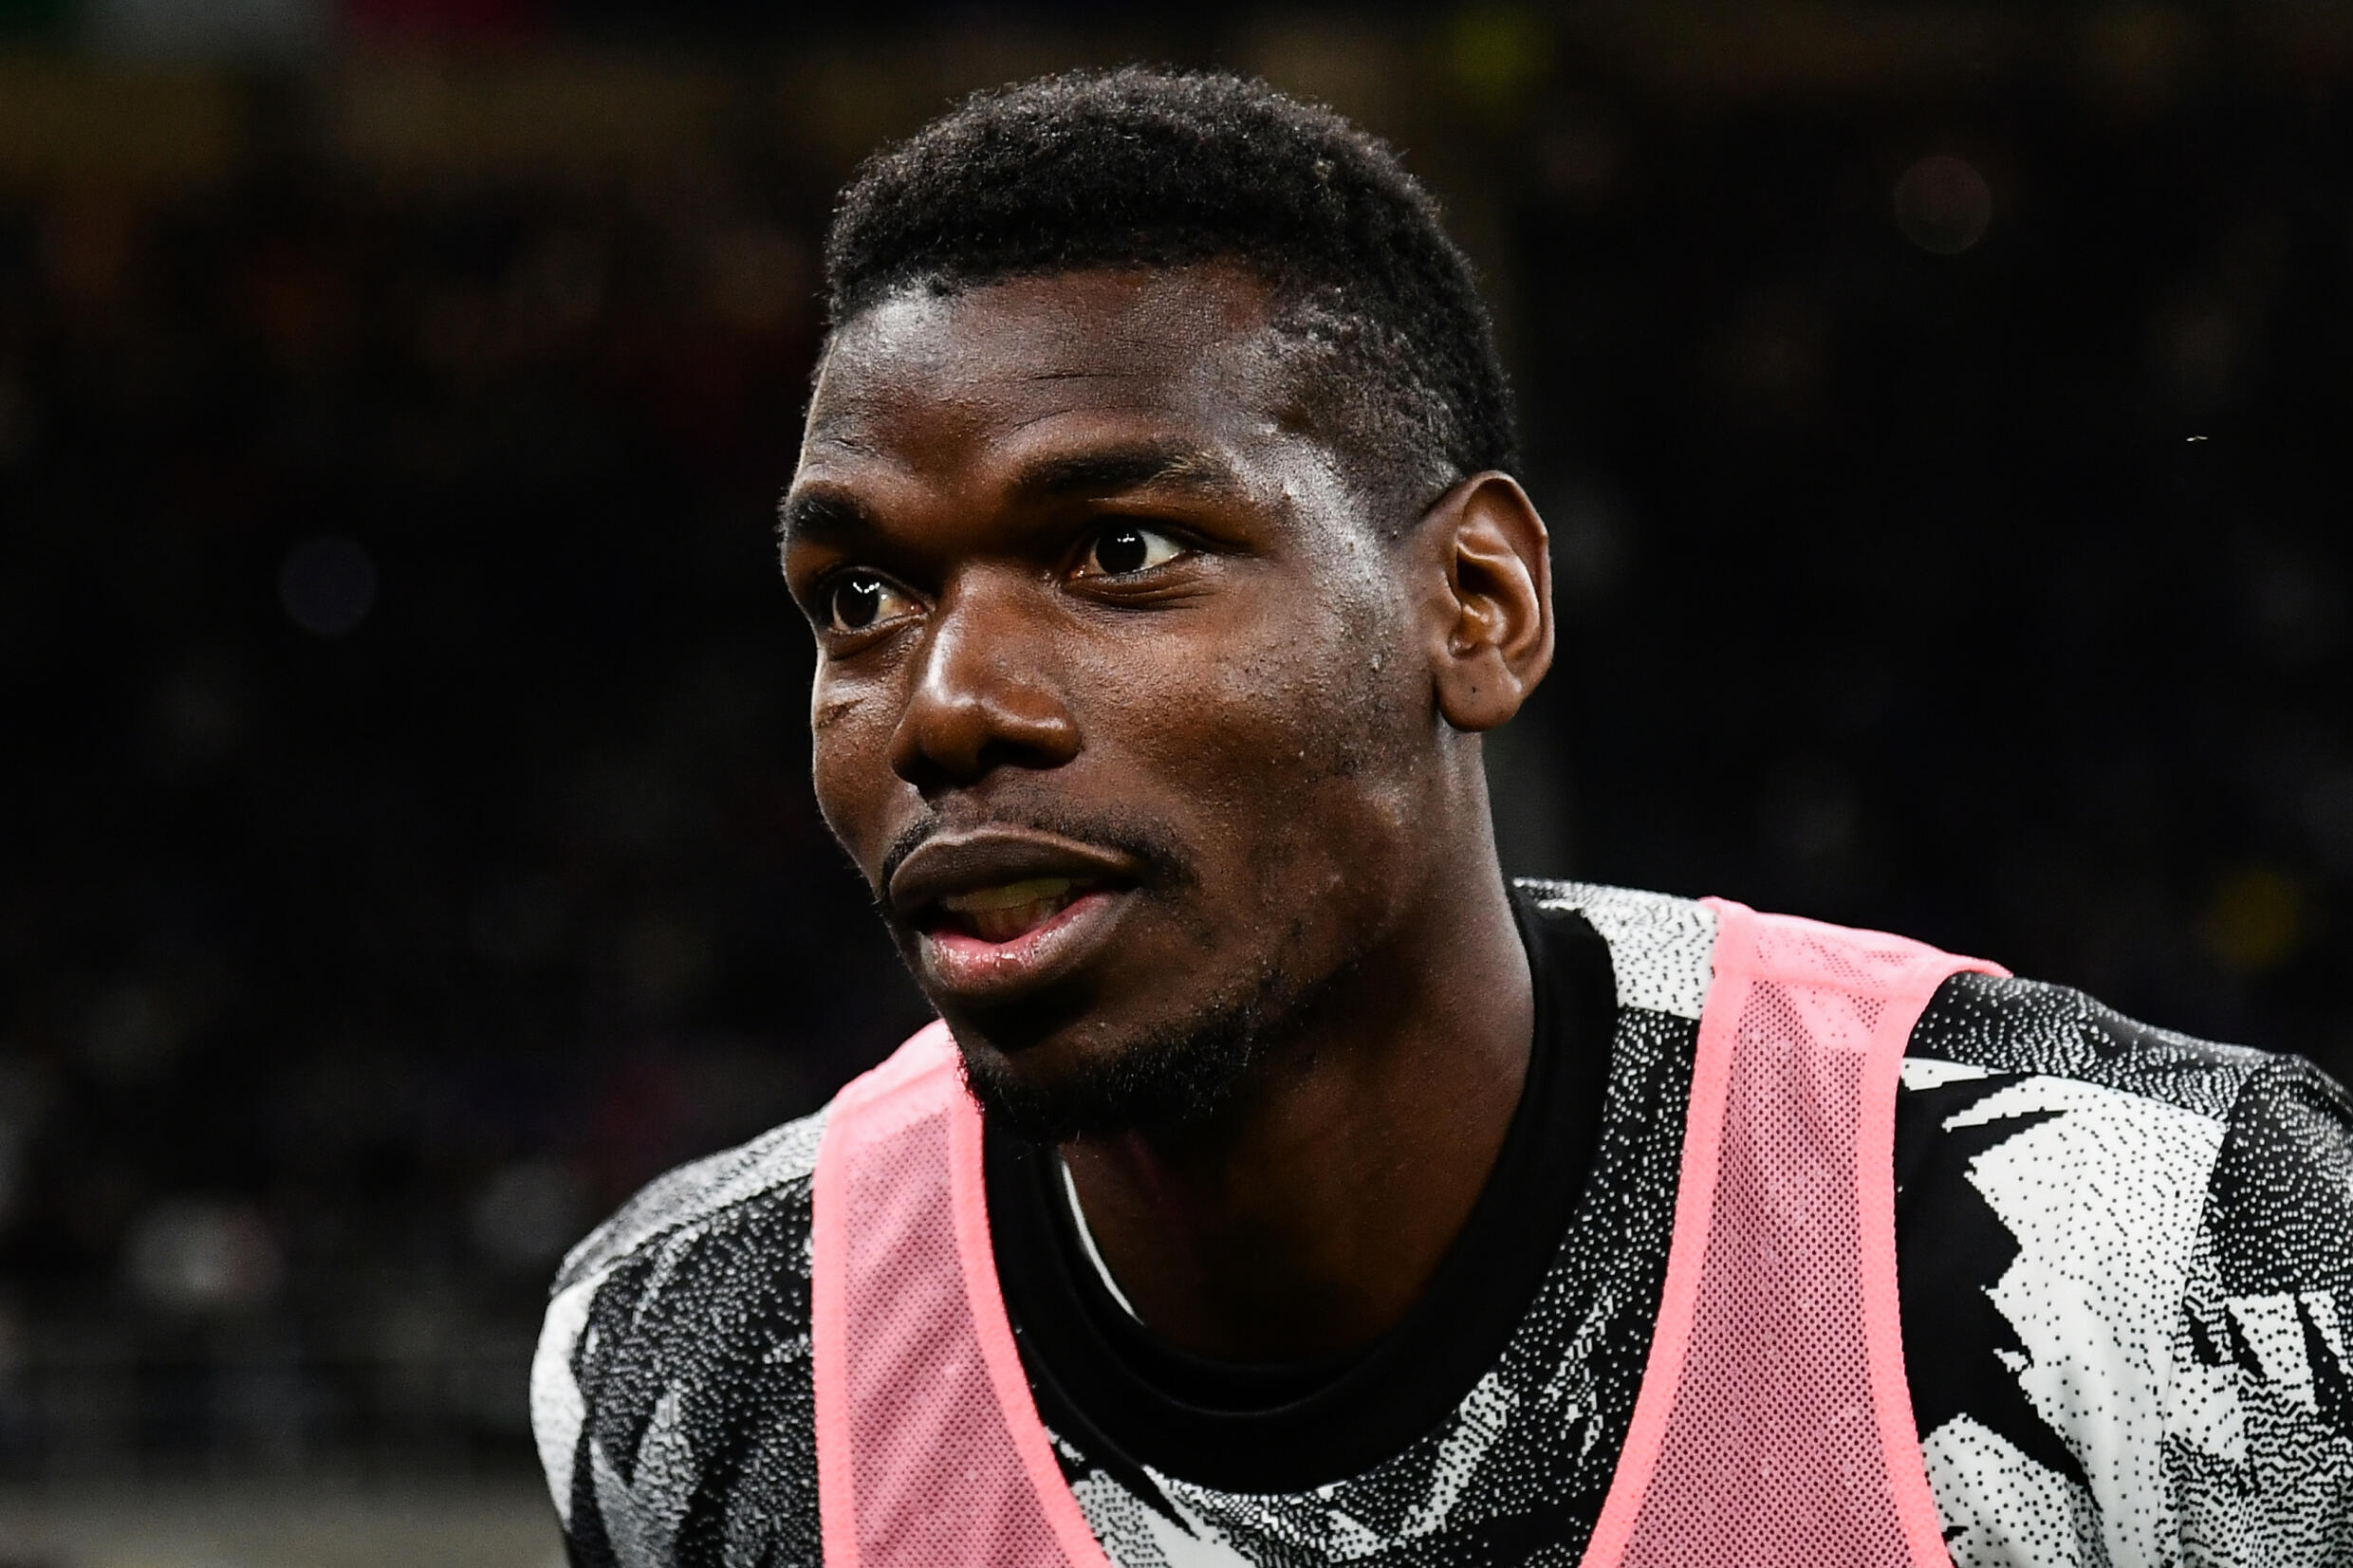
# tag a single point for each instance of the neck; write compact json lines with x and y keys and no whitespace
{"x":1310,"y":1213}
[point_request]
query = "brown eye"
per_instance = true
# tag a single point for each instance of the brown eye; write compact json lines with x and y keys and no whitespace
{"x":862,"y":599}
{"x":1129,"y":548}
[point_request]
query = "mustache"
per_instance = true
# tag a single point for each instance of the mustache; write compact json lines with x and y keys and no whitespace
{"x":1148,"y":842}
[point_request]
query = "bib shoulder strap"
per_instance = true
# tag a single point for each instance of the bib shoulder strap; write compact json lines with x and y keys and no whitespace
{"x":1773,"y":1423}
{"x":929,"y":1445}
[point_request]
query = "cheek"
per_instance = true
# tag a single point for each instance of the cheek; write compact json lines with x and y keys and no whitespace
{"x":849,"y":764}
{"x":1284,"y":749}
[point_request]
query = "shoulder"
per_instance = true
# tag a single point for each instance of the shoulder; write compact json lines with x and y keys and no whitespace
{"x":776,"y":1162}
{"x":2079,"y":1119}
{"x":2079,"y":1125}
{"x":672,"y":1367}
{"x":2269,"y":1138}
{"x":2005,"y":1024}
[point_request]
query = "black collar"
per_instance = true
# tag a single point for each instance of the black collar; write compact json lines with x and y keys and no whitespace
{"x":1124,"y":1397}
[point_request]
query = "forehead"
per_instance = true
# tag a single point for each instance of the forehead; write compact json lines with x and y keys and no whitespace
{"x":985,"y":376}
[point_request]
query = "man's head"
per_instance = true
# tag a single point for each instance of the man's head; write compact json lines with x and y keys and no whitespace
{"x":1385,"y":345}
{"x":1151,"y":519}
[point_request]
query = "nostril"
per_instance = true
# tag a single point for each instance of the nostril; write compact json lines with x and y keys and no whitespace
{"x":981,"y":700}
{"x":950,"y":737}
{"x":935,"y":762}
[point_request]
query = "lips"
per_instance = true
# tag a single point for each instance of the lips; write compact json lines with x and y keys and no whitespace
{"x":1000,"y":912}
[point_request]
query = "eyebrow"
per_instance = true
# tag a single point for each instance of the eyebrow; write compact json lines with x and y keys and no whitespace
{"x":819,"y":516}
{"x":822,"y":515}
{"x":1110,"y":471}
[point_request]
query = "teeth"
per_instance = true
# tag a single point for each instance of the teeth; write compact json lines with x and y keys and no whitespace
{"x":1012,"y":908}
{"x":1011,"y":895}
{"x":1003,"y":925}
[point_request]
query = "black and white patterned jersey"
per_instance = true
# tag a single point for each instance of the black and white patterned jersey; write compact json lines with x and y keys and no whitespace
{"x":2125,"y":1273}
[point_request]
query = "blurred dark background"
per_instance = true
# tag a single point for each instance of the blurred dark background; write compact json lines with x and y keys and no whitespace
{"x":405,"y":846}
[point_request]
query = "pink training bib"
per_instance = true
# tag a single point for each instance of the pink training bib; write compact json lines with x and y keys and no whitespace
{"x":1773,"y":1426}
{"x":928,"y":1446}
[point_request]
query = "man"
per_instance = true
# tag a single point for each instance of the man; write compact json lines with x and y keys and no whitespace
{"x":1285,"y":1186}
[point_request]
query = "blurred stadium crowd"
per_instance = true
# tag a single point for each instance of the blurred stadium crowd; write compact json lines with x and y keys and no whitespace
{"x":406,"y":848}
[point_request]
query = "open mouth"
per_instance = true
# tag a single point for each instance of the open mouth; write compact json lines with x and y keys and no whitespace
{"x":1011,"y":909}
{"x":999,"y":912}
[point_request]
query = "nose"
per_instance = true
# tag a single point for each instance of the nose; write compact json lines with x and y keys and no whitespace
{"x":983,"y":697}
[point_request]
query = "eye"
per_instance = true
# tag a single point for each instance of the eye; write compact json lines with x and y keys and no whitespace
{"x":1128,"y":547}
{"x":859,"y":599}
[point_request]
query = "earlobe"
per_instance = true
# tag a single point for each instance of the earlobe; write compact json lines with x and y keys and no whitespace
{"x":1492,"y":633}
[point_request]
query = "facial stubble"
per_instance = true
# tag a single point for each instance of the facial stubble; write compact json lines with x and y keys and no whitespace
{"x":1173,"y":1075}
{"x":1170,"y":1074}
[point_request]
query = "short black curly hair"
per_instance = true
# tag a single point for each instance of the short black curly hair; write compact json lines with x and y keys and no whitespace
{"x":1393,"y":355}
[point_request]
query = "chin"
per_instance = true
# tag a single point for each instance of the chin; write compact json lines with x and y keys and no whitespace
{"x":1049,"y":1095}
{"x":1092,"y":1079}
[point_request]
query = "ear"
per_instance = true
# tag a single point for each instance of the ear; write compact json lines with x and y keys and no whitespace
{"x":1490,"y":631}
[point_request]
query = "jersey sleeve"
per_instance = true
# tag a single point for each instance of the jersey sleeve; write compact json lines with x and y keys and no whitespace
{"x":671,"y":1398}
{"x":2125,"y":1263}
{"x":2259,"y":1429}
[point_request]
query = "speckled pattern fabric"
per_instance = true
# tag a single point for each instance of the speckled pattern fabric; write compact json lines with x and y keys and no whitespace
{"x":2126,"y":1267}
{"x":671,"y":1394}
{"x":2157,"y":1368}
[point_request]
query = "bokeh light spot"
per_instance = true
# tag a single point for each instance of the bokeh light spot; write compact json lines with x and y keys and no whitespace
{"x":1497,"y":54}
{"x":1944,"y":204}
{"x":195,"y":1254}
{"x":2254,"y":921}
{"x":530,"y":1212}
{"x":327,"y":585}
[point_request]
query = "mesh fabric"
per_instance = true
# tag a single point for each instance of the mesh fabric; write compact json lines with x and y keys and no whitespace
{"x":1774,"y":1428}
{"x":930,"y":1451}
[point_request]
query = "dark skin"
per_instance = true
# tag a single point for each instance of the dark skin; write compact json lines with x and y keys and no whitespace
{"x":1095,"y":607}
